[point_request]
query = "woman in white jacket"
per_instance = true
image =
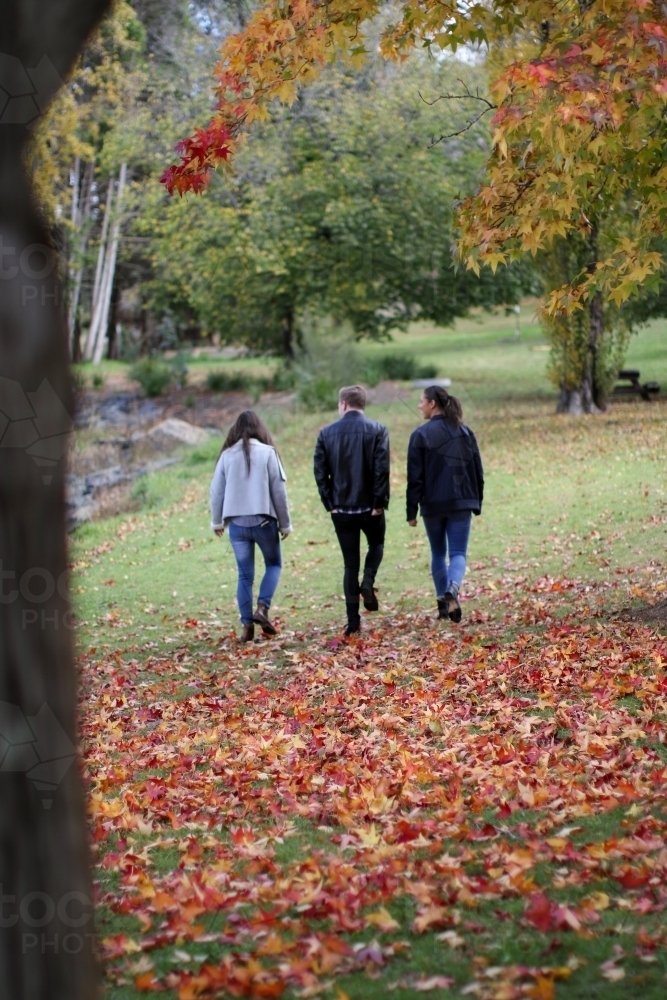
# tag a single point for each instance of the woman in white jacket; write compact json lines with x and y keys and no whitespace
{"x":248,"y":493}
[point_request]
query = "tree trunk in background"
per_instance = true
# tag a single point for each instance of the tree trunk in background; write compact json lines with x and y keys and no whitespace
{"x":288,"y":334}
{"x":81,"y":205}
{"x":44,"y":870}
{"x":99,"y":273}
{"x":587,"y":398}
{"x":595,"y":401}
{"x":109,"y":272}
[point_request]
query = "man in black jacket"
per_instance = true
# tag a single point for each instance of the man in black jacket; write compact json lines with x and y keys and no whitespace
{"x":352,"y":475}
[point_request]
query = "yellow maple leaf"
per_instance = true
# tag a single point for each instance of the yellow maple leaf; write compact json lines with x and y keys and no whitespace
{"x":383,"y":920}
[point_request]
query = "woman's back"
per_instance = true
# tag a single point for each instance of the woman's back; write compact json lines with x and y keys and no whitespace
{"x":249,"y":484}
{"x":444,"y":468}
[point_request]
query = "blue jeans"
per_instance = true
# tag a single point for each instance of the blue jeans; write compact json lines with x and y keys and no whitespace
{"x":243,"y":542}
{"x":448,"y":532}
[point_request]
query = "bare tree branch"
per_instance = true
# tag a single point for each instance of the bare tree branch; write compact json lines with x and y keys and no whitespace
{"x":470,"y":122}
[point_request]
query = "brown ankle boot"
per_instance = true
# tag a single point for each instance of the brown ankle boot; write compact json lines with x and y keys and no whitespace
{"x":261,"y":617}
{"x":247,"y":633}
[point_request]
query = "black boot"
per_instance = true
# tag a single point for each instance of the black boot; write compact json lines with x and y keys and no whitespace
{"x":453,"y":606}
{"x":369,"y":594}
{"x":353,"y":620}
{"x":247,"y":633}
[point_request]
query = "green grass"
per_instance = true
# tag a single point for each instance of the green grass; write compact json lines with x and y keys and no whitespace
{"x":583,"y":496}
{"x":570,"y":497}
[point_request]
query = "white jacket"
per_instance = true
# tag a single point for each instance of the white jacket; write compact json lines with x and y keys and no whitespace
{"x":235,"y":492}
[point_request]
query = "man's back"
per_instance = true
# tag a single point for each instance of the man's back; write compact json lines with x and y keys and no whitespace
{"x":352,"y":463}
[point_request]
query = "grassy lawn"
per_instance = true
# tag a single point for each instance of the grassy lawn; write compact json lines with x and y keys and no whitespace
{"x":429,"y":809}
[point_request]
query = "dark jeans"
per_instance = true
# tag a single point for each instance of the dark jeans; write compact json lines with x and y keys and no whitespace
{"x":349,"y":528}
{"x":243,"y":542}
{"x":448,"y":534}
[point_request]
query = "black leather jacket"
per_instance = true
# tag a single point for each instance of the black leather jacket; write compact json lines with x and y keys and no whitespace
{"x":444,"y":470}
{"x":352,"y":463}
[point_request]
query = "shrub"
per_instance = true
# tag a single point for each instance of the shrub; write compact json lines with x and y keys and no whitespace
{"x":397,"y":367}
{"x":327,"y":359}
{"x":224,"y":381}
{"x":179,"y":368}
{"x":318,"y":393}
{"x":98,"y":381}
{"x":152,"y":375}
{"x":281,"y":380}
{"x":144,"y":492}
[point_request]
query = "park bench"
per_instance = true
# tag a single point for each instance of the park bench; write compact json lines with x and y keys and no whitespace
{"x":631,"y":375}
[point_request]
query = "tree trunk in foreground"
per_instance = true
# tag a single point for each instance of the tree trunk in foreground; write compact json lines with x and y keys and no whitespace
{"x":45,"y":910}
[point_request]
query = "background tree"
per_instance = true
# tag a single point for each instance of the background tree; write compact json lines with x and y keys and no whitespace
{"x":134,"y":88}
{"x":579,"y":128}
{"x":337,"y":206}
{"x":43,"y":853}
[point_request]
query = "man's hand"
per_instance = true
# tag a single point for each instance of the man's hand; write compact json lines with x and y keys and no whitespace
{"x":219,"y":532}
{"x":374,"y":513}
{"x":413,"y":522}
{"x":285,"y":534}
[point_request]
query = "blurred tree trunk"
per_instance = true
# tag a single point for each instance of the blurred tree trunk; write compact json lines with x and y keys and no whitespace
{"x":81,"y":211}
{"x":46,"y":932}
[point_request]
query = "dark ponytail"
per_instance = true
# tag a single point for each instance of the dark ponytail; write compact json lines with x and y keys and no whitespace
{"x":449,"y":405}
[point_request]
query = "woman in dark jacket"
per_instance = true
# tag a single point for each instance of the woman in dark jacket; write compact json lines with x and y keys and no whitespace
{"x":446,"y":480}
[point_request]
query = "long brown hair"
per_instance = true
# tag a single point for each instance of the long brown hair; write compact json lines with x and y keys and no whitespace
{"x":246,"y":426}
{"x":450,"y":405}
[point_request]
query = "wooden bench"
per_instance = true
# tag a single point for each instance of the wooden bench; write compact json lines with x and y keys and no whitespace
{"x":631,"y":375}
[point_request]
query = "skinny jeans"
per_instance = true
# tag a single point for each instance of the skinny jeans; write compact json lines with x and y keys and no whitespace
{"x":349,"y":528}
{"x":448,"y":535}
{"x":243,"y":540}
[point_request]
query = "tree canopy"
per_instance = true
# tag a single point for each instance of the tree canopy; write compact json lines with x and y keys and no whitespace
{"x":337,"y":205}
{"x":579,"y":117}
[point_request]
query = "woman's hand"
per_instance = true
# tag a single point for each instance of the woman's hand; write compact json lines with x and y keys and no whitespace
{"x":413,"y":522}
{"x":219,"y":532}
{"x":284,"y":534}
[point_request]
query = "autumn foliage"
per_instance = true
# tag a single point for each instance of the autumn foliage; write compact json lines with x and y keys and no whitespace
{"x":578,"y":130}
{"x":323,"y":800}
{"x":579,"y":148}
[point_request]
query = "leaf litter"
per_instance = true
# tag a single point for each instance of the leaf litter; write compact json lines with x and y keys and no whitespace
{"x":276,"y":817}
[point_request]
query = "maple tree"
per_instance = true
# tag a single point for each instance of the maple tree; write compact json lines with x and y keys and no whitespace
{"x":578,"y":140}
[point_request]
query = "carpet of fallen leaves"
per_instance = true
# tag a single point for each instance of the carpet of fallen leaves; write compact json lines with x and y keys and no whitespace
{"x":264,"y":812}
